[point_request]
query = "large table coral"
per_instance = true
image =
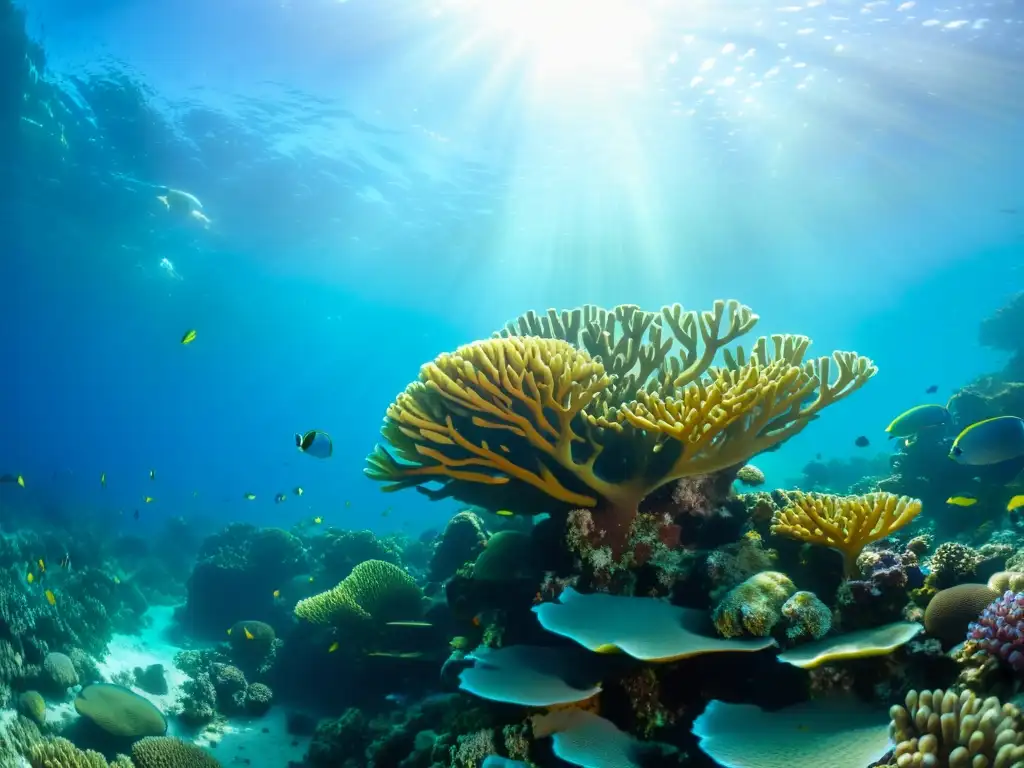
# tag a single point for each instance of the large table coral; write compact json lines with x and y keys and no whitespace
{"x":597,"y":409}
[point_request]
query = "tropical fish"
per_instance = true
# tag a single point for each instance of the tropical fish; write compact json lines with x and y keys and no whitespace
{"x":298,"y":490}
{"x":42,"y":565}
{"x":310,"y":579}
{"x":962,"y":501}
{"x":333,"y":647}
{"x":991,"y":441}
{"x":13,"y":479}
{"x":917,"y":418}
{"x":189,"y":337}
{"x":279,"y":498}
{"x":932,"y":389}
{"x":862,"y":442}
{"x":248,"y":635}
{"x":505,"y":512}
{"x":277,"y":593}
{"x":459,"y":643}
{"x":146,"y":500}
{"x":1017,"y":502}
{"x":103,"y":479}
{"x":31,"y":577}
{"x":50,"y":598}
{"x":152,"y":474}
{"x":315,"y":443}
{"x":117,"y":580}
{"x":229,"y":630}
{"x":249,"y":496}
{"x":317,"y":520}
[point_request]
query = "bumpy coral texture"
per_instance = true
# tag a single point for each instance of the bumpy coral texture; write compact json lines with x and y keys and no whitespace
{"x":596,"y":409}
{"x":374,"y":590}
{"x":807,"y":617}
{"x":999,"y":630}
{"x":755,"y":606}
{"x":61,"y":753}
{"x":939,"y":728}
{"x":168,"y":752}
{"x":60,"y":670}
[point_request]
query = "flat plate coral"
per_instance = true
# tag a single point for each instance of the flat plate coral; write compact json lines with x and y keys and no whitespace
{"x":646,"y":628}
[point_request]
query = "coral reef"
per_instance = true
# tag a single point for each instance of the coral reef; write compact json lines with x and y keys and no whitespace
{"x":589,"y":410}
{"x":951,"y":611}
{"x":847,"y":524}
{"x":941,"y":728}
{"x":754,"y":607}
{"x":999,"y":630}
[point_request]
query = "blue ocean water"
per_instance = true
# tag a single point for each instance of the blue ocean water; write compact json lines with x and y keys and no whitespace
{"x":389,"y":180}
{"x":386,"y":180}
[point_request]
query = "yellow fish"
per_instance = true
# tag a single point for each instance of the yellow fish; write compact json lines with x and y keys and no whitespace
{"x":299,"y":491}
{"x":50,"y":598}
{"x":250,"y":497}
{"x":189,"y":337}
{"x":333,"y":647}
{"x":148,"y":499}
{"x":1015,"y":503}
{"x":229,"y":630}
{"x":12,"y":479}
{"x":152,"y":474}
{"x":504,"y":513}
{"x":248,"y":635}
{"x":103,"y":479}
{"x":42,"y":565}
{"x":317,"y":520}
{"x":962,"y":501}
{"x":277,"y":593}
{"x":31,"y":577}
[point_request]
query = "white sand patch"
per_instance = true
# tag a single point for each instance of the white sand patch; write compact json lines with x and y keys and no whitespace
{"x":243,"y":739}
{"x":126,"y":652}
{"x":233,"y":743}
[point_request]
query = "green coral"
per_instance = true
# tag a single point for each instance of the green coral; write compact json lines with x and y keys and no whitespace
{"x":32,"y":706}
{"x":119,"y":711}
{"x":168,"y":752}
{"x":755,"y":606}
{"x":247,"y":635}
{"x":375,"y":590}
{"x":61,"y":753}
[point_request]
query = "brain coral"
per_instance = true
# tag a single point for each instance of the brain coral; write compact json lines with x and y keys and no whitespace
{"x":374,"y":590}
{"x":951,"y":611}
{"x":60,"y":670}
{"x":755,"y":606}
{"x":119,"y":711}
{"x":168,"y":752}
{"x":32,"y":706}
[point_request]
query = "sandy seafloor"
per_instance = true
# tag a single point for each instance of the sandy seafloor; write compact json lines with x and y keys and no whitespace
{"x":261,"y":741}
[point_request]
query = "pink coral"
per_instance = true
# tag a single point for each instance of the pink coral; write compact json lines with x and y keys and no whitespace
{"x":999,"y":630}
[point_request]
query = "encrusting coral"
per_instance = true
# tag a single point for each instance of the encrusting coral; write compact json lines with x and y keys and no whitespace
{"x":591,"y":410}
{"x":754,"y":607}
{"x":943,"y":730}
{"x":844,"y":523}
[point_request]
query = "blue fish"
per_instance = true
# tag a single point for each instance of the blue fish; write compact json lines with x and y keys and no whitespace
{"x":991,"y":441}
{"x":315,"y":443}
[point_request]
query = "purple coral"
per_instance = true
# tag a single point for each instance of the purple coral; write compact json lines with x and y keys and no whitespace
{"x":999,"y":629}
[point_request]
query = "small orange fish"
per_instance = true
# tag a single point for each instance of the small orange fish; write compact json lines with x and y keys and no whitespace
{"x":476,"y":621}
{"x":248,"y":635}
{"x":50,"y":598}
{"x":333,"y":647}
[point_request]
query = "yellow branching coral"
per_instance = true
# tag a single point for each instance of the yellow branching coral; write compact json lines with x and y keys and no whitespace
{"x":845,"y":523}
{"x":597,"y":409}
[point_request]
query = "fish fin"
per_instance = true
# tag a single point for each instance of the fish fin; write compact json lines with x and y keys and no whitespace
{"x":298,"y":440}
